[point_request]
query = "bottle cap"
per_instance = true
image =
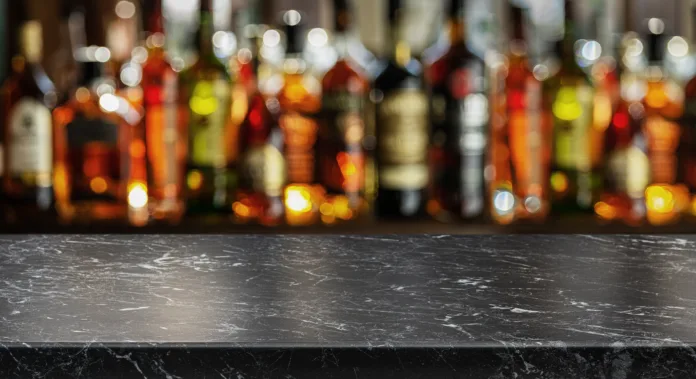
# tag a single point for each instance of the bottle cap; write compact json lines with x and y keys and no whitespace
{"x":292,"y":20}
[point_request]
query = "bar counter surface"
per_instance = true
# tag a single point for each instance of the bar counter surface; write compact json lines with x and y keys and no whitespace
{"x":330,"y":306}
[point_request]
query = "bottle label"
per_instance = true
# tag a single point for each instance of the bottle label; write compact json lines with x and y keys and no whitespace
{"x":526,"y":137}
{"x":341,"y":157}
{"x":31,"y":138}
{"x":402,"y":135}
{"x":572,"y":109}
{"x":210,"y":109}
{"x":663,"y":139}
{"x":629,"y":171}
{"x":95,"y":160}
{"x":162,"y":138}
{"x":300,"y":134}
{"x":265,"y":169}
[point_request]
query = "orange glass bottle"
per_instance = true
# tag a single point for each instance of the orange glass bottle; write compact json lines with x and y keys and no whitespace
{"x":163,"y":130}
{"x":665,"y":197}
{"x":262,"y":165}
{"x":28,"y":97}
{"x":528,"y":137}
{"x":300,"y":102}
{"x":340,"y":156}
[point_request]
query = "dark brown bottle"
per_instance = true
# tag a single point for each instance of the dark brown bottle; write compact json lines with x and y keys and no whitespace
{"x":401,"y":130}
{"x":459,"y":114}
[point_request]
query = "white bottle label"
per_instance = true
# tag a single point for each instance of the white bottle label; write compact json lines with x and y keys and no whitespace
{"x":31,"y":134}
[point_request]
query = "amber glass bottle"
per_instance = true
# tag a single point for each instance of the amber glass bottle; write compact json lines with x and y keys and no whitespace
{"x":93,"y":142}
{"x":665,"y":198}
{"x":262,"y":164}
{"x":340,"y":156}
{"x":28,"y":97}
{"x":163,"y":127}
{"x":401,"y":130}
{"x":300,"y":102}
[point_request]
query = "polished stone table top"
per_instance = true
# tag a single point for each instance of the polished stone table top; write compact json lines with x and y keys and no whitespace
{"x":584,"y":296}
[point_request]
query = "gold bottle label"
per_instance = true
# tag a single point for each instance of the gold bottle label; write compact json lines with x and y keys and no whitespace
{"x":341,"y":158}
{"x":265,"y":169}
{"x":31,"y":138}
{"x":572,"y":109}
{"x":210,"y":111}
{"x":300,"y":135}
{"x":663,"y":138}
{"x":402,"y":135}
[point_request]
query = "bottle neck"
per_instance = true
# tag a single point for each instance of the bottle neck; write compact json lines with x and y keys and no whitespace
{"x":456,"y":22}
{"x":155,"y":19}
{"x":204,"y":36}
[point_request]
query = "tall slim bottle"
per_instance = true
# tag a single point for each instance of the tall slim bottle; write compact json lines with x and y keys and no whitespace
{"x":340,"y":155}
{"x":459,"y":113}
{"x":626,"y":166}
{"x":300,"y":102}
{"x":527,"y":138}
{"x":262,"y":164}
{"x":401,"y":130}
{"x":28,"y":97}
{"x":210,"y":170}
{"x":163,"y":130}
{"x":665,"y":198}
{"x":575,"y":178}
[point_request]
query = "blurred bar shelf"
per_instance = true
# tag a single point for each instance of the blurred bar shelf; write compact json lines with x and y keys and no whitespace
{"x":135,"y":306}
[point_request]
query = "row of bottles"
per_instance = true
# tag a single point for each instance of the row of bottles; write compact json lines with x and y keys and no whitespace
{"x":512,"y":137}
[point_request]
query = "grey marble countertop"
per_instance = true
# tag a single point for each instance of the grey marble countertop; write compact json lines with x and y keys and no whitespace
{"x":348,"y":291}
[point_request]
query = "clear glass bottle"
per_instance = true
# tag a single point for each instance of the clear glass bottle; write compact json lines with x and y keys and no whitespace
{"x":28,"y":98}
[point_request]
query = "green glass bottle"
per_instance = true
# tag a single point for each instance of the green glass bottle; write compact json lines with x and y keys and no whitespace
{"x":210,"y":168}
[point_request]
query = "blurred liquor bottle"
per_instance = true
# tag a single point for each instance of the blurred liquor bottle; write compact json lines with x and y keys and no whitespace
{"x":300,"y":101}
{"x":665,"y":199}
{"x":121,"y":36}
{"x":687,"y":150}
{"x":93,"y":140}
{"x":340,"y":155}
{"x":162,"y":133}
{"x":459,"y":117}
{"x":575,"y":177}
{"x":28,"y":97}
{"x":62,"y":61}
{"x":626,"y":167}
{"x":211,"y":176}
{"x":401,"y":130}
{"x":261,"y":141}
{"x":523,"y":146}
